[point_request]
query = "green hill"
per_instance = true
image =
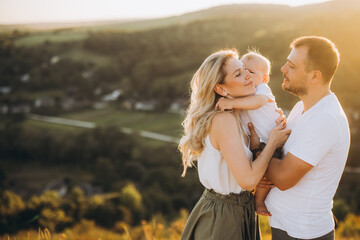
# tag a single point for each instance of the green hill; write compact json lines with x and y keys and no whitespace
{"x":71,"y":68}
{"x":138,"y":51}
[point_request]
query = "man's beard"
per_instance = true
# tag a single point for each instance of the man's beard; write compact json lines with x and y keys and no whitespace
{"x":295,"y":90}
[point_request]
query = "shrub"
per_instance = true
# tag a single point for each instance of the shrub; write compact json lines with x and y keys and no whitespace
{"x":350,"y":227}
{"x":340,"y":209}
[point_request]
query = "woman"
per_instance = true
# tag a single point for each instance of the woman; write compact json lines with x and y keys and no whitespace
{"x":217,"y":140}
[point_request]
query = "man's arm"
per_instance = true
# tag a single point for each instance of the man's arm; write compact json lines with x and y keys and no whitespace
{"x":286,"y":173}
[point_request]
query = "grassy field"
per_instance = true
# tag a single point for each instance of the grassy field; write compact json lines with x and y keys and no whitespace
{"x":151,"y":230}
{"x":32,"y":126}
{"x":162,"y":122}
{"x":56,"y":37}
{"x":34,"y":177}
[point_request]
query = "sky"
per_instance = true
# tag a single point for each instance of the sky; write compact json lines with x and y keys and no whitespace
{"x":38,"y":11}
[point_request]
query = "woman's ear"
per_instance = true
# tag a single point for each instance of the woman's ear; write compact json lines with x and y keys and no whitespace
{"x":219,"y":89}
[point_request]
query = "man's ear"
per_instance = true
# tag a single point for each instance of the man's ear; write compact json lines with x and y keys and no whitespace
{"x":219,"y":89}
{"x":317,"y":76}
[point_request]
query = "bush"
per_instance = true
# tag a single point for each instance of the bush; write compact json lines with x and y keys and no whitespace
{"x":340,"y":209}
{"x":11,"y":208}
{"x":53,"y":219}
{"x":350,"y":227}
{"x":131,"y":198}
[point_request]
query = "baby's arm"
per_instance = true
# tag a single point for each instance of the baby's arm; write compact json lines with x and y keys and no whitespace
{"x":246,"y":103}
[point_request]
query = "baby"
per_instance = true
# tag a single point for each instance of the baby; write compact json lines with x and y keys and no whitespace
{"x":260,"y":109}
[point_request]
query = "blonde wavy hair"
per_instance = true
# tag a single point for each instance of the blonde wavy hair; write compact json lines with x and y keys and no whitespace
{"x":202,"y":105}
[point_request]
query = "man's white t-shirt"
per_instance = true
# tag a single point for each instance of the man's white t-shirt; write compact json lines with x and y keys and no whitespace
{"x":320,"y":137}
{"x":262,"y":118}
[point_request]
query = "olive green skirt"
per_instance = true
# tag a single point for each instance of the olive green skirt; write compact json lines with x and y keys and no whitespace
{"x":223,"y":217}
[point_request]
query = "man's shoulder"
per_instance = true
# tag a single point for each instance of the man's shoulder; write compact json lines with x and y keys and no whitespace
{"x":298,"y":105}
{"x":296,"y":110}
{"x":329,"y":111}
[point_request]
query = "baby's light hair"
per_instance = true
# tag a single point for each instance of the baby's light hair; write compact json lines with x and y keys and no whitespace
{"x":255,"y":54}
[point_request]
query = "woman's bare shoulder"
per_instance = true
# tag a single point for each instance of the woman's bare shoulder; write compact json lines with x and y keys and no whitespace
{"x":222,"y":119}
{"x":221,"y":124}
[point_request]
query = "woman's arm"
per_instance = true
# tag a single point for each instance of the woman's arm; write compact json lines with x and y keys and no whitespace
{"x":245,"y":103}
{"x":225,"y":136}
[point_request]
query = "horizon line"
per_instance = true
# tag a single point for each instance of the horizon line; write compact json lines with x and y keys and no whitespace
{"x":135,"y":19}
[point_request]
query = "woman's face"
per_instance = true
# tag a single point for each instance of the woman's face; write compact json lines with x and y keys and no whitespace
{"x":238,"y":81}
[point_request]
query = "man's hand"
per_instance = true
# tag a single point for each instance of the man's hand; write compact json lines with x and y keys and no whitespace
{"x":254,"y":139}
{"x":224,"y":104}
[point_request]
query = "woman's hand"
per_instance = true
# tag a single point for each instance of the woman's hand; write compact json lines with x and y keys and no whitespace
{"x":264,"y":183}
{"x":224,"y":104}
{"x":282,"y":119}
{"x":254,"y":139}
{"x":279,"y":135}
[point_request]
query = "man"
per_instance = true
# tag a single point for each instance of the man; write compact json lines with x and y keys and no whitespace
{"x":315,"y":154}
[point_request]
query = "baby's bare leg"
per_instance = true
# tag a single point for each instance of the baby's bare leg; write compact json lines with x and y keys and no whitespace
{"x":260,"y":196}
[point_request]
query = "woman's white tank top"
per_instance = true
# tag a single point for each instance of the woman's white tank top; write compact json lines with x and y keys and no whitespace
{"x":214,"y":172}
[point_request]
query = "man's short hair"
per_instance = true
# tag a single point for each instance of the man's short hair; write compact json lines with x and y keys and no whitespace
{"x":322,"y":55}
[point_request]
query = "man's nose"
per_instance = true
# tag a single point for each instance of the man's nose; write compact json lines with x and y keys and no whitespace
{"x":284,"y":68}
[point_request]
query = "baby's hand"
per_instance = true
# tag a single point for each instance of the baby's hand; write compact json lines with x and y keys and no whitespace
{"x":224,"y":104}
{"x":282,"y":119}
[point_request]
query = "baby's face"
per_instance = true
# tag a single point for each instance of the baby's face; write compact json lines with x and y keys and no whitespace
{"x":257,"y":70}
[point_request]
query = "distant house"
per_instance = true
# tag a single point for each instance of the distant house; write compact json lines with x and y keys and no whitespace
{"x":178,"y":106}
{"x":57,"y":186}
{"x":128,"y":104}
{"x":100,"y":105}
{"x":25,"y":78}
{"x":98,"y":91}
{"x":4,"y":109}
{"x":55,"y":59}
{"x":62,"y":189}
{"x":5,"y":90}
{"x":87,"y":74}
{"x":44,"y":102}
{"x":67,"y":103}
{"x":23,"y":108}
{"x":112,"y":96}
{"x":106,"y":99}
{"x":145,"y":105}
